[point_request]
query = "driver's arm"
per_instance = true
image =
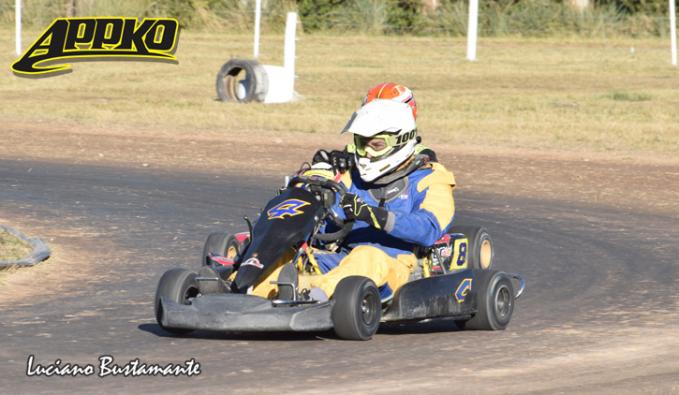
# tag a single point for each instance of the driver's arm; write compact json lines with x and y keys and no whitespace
{"x":433,"y":210}
{"x":429,"y":221}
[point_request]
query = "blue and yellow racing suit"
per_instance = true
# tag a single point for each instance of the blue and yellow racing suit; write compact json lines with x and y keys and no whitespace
{"x":421,"y":208}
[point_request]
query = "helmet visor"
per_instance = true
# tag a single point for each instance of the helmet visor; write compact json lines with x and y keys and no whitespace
{"x":376,"y":147}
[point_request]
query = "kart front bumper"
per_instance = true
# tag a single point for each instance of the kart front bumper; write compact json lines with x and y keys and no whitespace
{"x":238,"y":312}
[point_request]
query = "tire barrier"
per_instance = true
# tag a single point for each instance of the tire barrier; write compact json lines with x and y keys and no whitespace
{"x":242,"y":81}
{"x":40,"y":249}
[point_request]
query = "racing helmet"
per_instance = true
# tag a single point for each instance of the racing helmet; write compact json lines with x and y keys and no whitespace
{"x":385,"y":136}
{"x":390,"y":90}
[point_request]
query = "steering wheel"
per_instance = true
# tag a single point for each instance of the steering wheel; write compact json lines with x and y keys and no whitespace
{"x":345,"y":226}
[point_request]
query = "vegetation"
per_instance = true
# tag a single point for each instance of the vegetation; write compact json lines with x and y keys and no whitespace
{"x":574,"y":94}
{"x":496,"y":18}
{"x":11,"y":248}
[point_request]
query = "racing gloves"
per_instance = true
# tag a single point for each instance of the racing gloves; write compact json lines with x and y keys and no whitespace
{"x":357,"y":209}
{"x":341,"y":161}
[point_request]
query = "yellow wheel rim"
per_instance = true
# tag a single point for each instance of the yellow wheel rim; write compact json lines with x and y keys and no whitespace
{"x":486,"y":256}
{"x":231,"y":252}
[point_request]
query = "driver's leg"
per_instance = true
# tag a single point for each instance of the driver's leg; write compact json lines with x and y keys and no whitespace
{"x":368,"y":261}
{"x":264,"y":288}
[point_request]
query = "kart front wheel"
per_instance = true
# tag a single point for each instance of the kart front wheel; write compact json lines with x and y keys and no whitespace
{"x":179,"y":286}
{"x":495,"y":302}
{"x":357,"y":310}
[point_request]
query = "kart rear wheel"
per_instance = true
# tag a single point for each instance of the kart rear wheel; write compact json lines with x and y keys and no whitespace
{"x":480,"y":251}
{"x":221,"y":244}
{"x":495,"y":302}
{"x":177,"y":285}
{"x":357,"y":310}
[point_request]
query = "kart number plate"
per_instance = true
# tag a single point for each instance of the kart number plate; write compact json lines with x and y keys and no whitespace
{"x":459,"y":258}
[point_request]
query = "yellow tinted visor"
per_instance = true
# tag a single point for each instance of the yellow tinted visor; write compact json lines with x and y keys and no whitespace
{"x":376,"y":146}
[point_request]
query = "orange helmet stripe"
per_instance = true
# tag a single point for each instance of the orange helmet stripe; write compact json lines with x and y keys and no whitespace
{"x":390,"y":90}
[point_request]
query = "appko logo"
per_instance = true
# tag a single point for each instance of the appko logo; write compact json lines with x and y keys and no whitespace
{"x":98,"y":38}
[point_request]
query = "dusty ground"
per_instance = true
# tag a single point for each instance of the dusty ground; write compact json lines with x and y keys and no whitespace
{"x":68,"y":267}
{"x":640,"y":184}
{"x":582,"y":327}
{"x":609,"y":95}
{"x":635,"y":352}
{"x":622,"y":181}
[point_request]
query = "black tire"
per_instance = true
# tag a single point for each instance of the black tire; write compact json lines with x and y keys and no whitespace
{"x":222,"y":244}
{"x":177,"y":285}
{"x":256,"y":84}
{"x":495,"y":302}
{"x":217,"y":286}
{"x":287,"y":275}
{"x":480,"y":251}
{"x":357,"y":311}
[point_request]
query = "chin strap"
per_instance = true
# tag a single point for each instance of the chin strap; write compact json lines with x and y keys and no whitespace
{"x":406,"y":168}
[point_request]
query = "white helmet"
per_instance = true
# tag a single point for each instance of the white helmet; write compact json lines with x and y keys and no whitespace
{"x":384,"y":135}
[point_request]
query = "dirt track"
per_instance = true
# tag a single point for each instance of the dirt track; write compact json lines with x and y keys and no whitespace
{"x":596,"y":238}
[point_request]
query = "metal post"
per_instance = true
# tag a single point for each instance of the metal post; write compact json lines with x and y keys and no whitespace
{"x":673,"y":32}
{"x":17,"y":18}
{"x":258,"y":18}
{"x":472,"y":29}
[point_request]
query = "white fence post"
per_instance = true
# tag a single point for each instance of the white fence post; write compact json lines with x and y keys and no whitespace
{"x":289,"y":44}
{"x":673,"y":32}
{"x":258,"y":18}
{"x":17,"y":25}
{"x":472,"y":29}
{"x":282,"y":79}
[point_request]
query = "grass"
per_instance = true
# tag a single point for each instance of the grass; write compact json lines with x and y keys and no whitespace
{"x":630,"y":96}
{"x":11,"y":248}
{"x":573,"y":94}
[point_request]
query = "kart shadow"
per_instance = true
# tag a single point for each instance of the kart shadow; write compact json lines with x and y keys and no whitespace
{"x":433,"y":326}
{"x":255,"y":336}
{"x":407,"y":328}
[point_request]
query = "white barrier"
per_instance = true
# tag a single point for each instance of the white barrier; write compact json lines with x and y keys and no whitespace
{"x":258,"y":19}
{"x":17,"y":25}
{"x":472,"y":29}
{"x":673,"y":31}
{"x":282,"y":79}
{"x":261,"y":83}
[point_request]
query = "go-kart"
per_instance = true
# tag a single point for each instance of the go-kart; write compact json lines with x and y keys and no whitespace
{"x":453,"y":278}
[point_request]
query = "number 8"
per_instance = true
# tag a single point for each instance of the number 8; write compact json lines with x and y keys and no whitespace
{"x":462,"y":257}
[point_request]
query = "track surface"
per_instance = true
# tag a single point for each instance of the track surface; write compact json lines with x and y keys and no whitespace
{"x":597,"y":314}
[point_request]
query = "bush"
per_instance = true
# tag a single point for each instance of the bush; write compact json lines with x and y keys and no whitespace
{"x":496,"y":17}
{"x":365,"y":16}
{"x":403,"y":16}
{"x":315,"y":14}
{"x":648,"y":7}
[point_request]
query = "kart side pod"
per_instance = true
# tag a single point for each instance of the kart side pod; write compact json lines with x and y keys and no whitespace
{"x":436,"y":296}
{"x":476,"y":299}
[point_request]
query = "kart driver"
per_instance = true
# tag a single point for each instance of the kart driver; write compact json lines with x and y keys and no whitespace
{"x":398,"y":196}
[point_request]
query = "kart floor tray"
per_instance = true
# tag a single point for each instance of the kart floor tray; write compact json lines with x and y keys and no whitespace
{"x":238,"y":312}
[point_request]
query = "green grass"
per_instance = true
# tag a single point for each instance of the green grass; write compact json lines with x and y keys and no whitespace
{"x":630,"y":96}
{"x":11,"y":248}
{"x":572,"y":94}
